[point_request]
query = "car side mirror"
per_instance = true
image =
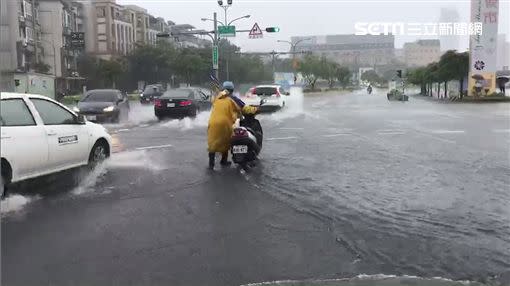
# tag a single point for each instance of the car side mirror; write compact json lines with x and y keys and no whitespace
{"x":80,"y":119}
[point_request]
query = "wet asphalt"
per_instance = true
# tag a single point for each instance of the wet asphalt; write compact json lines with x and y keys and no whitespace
{"x":347,"y":184}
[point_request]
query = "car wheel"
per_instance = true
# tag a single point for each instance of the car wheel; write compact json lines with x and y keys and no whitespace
{"x":99,"y":153}
{"x":193,"y":113}
{"x":5,"y":178}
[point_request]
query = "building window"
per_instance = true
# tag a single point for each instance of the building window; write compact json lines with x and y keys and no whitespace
{"x":28,"y":8}
{"x":112,"y":13}
{"x":29,"y":33}
{"x":113,"y":30}
{"x":100,"y":12}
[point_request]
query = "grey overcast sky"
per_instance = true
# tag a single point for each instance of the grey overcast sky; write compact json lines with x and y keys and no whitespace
{"x":319,"y":17}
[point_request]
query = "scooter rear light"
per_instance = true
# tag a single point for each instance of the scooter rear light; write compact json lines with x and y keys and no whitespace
{"x":157,"y":103}
{"x":240,"y":132}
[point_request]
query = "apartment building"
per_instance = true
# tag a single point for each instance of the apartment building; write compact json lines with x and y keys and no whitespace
{"x":113,"y":29}
{"x":350,"y":50}
{"x":422,"y":52}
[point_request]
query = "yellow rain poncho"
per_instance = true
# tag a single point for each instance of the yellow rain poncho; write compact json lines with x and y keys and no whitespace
{"x":224,"y":114}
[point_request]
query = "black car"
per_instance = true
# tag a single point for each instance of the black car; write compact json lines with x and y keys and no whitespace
{"x":182,"y":102}
{"x":151,"y":92}
{"x":104,"y":105}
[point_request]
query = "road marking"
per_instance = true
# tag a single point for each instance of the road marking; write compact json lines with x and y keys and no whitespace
{"x":501,"y":130}
{"x":439,"y":139}
{"x":391,"y":133}
{"x":123,"y":130}
{"x":337,"y":134}
{"x":447,"y":131}
{"x":143,"y":125}
{"x":154,"y":147}
{"x":281,"y":138}
{"x":291,"y":128}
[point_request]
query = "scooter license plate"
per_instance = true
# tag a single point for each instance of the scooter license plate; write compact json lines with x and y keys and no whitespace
{"x":240,"y":149}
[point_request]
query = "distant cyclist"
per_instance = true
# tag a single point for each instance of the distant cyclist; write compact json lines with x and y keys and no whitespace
{"x":369,"y":89}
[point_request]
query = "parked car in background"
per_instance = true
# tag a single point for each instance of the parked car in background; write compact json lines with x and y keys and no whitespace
{"x":151,"y":92}
{"x":41,"y":136}
{"x":182,"y":102}
{"x":104,"y":105}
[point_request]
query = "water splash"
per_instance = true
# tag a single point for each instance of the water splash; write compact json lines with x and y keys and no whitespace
{"x":15,"y":203}
{"x":187,"y":123}
{"x":133,"y":159}
{"x":294,"y":106}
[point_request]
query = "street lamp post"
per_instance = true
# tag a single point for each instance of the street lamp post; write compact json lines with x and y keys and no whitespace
{"x":225,"y":7}
{"x":293,"y":45}
{"x":216,"y":41}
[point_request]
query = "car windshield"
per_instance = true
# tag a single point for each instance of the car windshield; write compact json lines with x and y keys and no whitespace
{"x":177,"y":93}
{"x":150,"y":89}
{"x":265,"y":90}
{"x":100,"y":96}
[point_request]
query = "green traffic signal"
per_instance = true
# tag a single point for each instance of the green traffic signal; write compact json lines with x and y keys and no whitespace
{"x":272,"y":29}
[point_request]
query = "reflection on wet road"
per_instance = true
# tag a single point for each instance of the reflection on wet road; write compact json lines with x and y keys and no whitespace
{"x":348,"y":184}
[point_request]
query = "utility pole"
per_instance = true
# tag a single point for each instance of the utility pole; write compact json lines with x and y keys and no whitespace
{"x":215,"y":44}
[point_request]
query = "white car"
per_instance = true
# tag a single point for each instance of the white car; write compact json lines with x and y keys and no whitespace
{"x":40,"y":136}
{"x":274,"y":97}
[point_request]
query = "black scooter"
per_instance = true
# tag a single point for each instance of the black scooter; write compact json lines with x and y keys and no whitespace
{"x":246,"y":141}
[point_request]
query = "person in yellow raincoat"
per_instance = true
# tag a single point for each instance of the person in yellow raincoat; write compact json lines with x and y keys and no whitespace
{"x":224,"y":113}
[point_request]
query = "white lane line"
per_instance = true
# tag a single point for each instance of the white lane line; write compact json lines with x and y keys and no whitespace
{"x":154,"y":147}
{"x":292,"y":128}
{"x":281,"y":138}
{"x":391,"y":133}
{"x":143,"y":125}
{"x":439,"y":139}
{"x":447,"y":131}
{"x":123,"y":130}
{"x":501,"y":130}
{"x":337,"y":134}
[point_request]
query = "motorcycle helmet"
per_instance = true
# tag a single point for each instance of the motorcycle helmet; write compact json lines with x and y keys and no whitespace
{"x":228,"y":85}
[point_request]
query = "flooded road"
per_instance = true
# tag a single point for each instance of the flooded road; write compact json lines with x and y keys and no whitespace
{"x":348,"y":185}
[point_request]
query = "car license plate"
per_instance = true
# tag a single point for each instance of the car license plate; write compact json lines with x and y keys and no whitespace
{"x":170,"y":105}
{"x":91,"y":117}
{"x":240,"y":149}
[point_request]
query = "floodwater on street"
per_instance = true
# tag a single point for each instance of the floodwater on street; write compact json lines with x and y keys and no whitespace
{"x":347,"y":185}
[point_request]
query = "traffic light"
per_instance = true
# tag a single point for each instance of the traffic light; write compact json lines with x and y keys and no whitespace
{"x":399,"y":73}
{"x":272,"y":29}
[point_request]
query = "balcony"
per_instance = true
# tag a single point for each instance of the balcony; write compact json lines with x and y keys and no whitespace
{"x":67,"y":31}
{"x":21,"y":20}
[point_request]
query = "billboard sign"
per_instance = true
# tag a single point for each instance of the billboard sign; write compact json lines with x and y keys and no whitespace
{"x":483,"y":47}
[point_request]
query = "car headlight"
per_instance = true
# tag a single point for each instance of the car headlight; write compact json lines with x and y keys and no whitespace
{"x":76,"y":109}
{"x":109,"y":108}
{"x":141,"y":94}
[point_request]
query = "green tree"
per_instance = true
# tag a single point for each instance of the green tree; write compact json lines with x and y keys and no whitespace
{"x":190,"y":66}
{"x":111,"y":70}
{"x":328,"y":71}
{"x":418,"y":77}
{"x":152,"y":64}
{"x":372,"y":77}
{"x":343,"y":75}
{"x":310,"y":67}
